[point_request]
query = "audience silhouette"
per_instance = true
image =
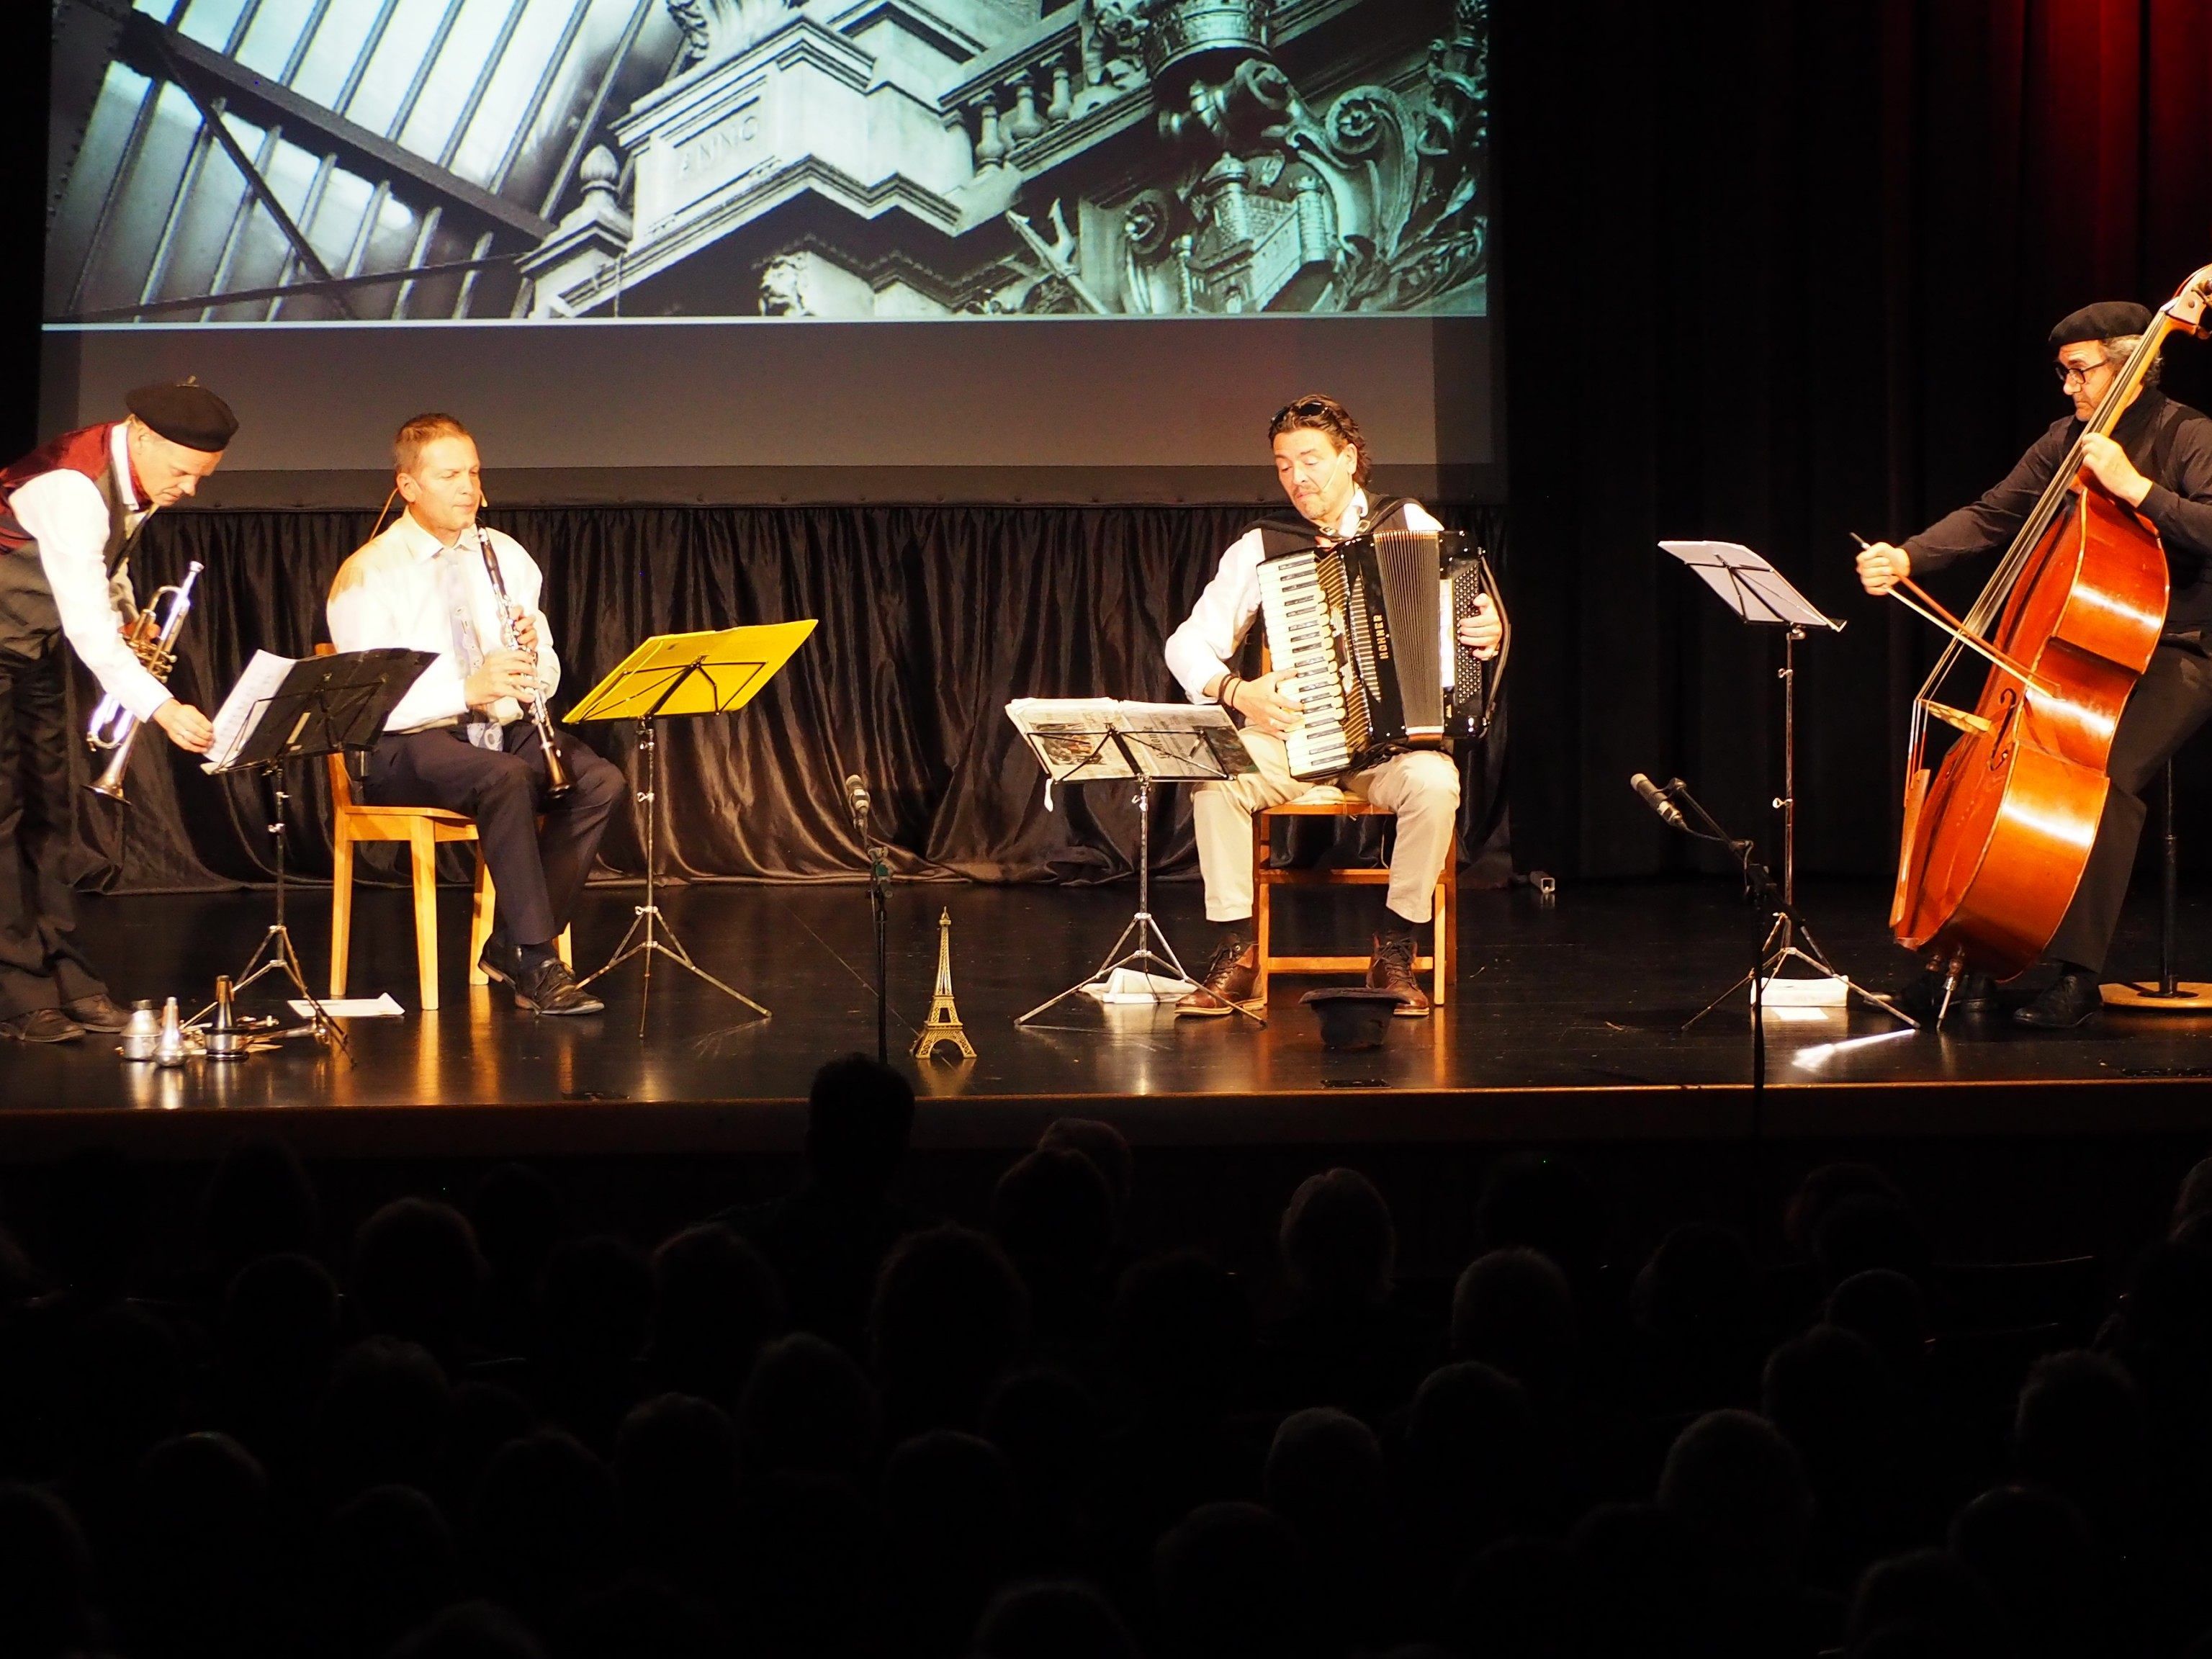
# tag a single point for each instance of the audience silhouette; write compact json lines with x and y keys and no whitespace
{"x":827,"y":1425}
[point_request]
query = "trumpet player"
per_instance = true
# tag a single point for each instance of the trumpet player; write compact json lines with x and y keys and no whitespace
{"x":472,"y":734}
{"x":68,"y":514}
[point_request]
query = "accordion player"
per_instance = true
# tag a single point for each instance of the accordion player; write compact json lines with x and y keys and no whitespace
{"x":1366,"y":628}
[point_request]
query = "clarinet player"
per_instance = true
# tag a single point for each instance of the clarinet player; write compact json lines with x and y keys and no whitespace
{"x":471,"y":734}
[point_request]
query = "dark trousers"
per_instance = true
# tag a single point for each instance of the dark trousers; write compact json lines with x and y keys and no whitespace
{"x":539,"y":873}
{"x":41,"y":965}
{"x":2171,"y":700}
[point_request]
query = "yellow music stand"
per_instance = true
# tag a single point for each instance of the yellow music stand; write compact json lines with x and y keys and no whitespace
{"x":710,"y":673}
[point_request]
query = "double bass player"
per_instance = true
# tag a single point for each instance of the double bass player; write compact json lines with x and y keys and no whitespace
{"x":2158,"y":462}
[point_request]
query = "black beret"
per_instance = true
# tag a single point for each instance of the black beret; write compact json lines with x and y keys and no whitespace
{"x":2108,"y":319}
{"x":189,"y":415}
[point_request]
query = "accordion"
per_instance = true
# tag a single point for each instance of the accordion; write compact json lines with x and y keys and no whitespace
{"x":1367,"y":630}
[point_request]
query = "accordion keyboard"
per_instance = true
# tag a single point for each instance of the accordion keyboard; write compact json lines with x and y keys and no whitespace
{"x":1302,"y":602}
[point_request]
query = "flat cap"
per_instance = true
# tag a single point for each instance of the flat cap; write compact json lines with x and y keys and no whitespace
{"x":189,"y":415}
{"x":2107,"y":319}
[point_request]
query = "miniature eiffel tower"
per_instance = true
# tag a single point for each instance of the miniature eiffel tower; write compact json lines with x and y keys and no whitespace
{"x":943,"y":1024}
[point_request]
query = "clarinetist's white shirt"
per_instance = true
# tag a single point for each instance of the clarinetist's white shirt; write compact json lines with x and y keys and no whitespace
{"x":391,"y":593}
{"x":1200,"y":650}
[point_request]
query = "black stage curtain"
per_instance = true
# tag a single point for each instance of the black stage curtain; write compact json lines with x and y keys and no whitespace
{"x":932,"y":618}
{"x":1774,"y":272}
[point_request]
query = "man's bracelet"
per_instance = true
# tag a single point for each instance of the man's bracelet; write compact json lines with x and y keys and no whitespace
{"x":1225,"y":696}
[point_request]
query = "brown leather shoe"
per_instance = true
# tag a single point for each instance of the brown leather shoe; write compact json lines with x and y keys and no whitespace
{"x":1390,"y":967}
{"x":1226,"y":985}
{"x":100,"y":1012}
{"x":42,"y":1025}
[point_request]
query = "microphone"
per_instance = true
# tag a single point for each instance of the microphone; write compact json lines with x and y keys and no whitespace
{"x":1669,"y":814}
{"x":856,"y":800}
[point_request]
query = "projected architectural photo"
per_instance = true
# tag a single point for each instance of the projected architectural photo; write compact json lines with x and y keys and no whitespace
{"x":295,"y":160}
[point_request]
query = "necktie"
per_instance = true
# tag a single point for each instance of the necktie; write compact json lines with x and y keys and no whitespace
{"x":453,"y":578}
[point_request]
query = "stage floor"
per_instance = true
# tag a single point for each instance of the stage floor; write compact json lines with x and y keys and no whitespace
{"x":1564,"y":1026}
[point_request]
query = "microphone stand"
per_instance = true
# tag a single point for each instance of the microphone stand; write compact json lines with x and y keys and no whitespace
{"x":879,"y":890}
{"x":1758,"y":887}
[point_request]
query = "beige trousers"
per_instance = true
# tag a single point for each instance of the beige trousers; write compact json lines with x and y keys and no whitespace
{"x":1420,"y":786}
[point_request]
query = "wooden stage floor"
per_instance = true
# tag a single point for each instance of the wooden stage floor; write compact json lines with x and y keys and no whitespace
{"x":1565,"y":1027}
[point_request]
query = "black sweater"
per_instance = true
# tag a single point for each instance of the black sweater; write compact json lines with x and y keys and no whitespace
{"x":2170,"y":443}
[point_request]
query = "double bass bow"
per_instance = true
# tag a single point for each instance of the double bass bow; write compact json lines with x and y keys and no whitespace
{"x":1998,"y":834}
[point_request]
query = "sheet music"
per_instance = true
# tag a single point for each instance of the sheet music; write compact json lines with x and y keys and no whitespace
{"x":234,"y":721}
{"x":1067,"y":734}
{"x":1073,"y":737}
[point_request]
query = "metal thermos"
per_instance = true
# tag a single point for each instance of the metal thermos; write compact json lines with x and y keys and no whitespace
{"x":143,"y":1034}
{"x":169,"y":1047}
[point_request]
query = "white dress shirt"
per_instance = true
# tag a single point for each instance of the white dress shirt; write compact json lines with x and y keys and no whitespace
{"x":65,"y":514}
{"x":391,"y":592}
{"x":1198,"y":651}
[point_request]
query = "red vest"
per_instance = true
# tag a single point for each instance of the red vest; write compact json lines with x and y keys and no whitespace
{"x":87,"y":452}
{"x":29,"y":621}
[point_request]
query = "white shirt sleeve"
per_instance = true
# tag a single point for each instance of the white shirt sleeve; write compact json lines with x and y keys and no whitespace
{"x":64,"y":512}
{"x":1420,"y":520}
{"x":360,"y":620}
{"x":1199,"y":650}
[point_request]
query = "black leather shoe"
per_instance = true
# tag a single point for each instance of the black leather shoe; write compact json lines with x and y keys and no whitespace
{"x":42,"y":1025}
{"x":2070,"y":1000}
{"x":496,"y":961}
{"x":1390,"y":967}
{"x":1923,"y":997}
{"x":98,"y":1013}
{"x":551,"y":988}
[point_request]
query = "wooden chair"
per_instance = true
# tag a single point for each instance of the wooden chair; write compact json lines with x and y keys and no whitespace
{"x":424,"y":829}
{"x":1329,"y":802}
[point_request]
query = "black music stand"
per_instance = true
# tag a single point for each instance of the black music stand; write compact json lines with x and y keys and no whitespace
{"x":322,"y":705}
{"x":716,"y":672}
{"x":1084,"y":740}
{"x":1763,"y":596}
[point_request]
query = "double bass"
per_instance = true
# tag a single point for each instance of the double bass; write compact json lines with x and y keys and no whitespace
{"x":1998,"y":835}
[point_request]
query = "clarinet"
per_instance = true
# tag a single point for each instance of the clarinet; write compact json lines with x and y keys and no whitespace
{"x":556,"y":775}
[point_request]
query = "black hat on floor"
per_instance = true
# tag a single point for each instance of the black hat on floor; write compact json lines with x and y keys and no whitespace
{"x":189,"y":415}
{"x":2107,"y":319}
{"x":1353,"y":1018}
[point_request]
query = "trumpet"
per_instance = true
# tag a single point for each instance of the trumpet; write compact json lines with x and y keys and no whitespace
{"x":556,"y":775}
{"x":152,"y":637}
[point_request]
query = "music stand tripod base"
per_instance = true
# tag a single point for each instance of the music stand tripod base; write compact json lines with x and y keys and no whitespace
{"x":275,"y":955}
{"x":647,"y":920}
{"x":1789,"y":941}
{"x":1142,"y":928}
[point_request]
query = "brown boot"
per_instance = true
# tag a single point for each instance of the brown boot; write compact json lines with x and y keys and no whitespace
{"x":1227,"y":983}
{"x":1390,"y":967}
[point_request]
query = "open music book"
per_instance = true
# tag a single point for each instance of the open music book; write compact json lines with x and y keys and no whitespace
{"x":1079,"y":738}
{"x":234,"y":721}
{"x":321,"y":704}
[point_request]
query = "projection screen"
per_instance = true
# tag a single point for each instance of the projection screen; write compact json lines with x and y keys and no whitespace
{"x":762,"y":249}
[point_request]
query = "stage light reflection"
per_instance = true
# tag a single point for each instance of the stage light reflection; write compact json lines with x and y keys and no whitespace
{"x":1820,"y":1053}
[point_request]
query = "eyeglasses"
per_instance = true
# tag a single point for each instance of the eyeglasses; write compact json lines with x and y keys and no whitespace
{"x":2070,"y":372}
